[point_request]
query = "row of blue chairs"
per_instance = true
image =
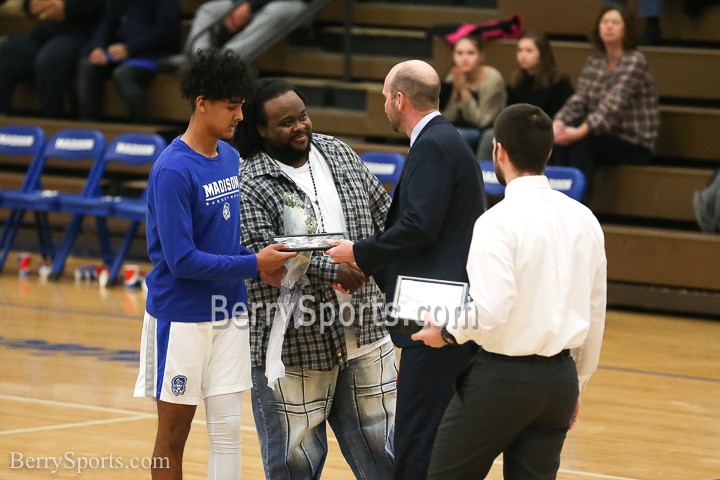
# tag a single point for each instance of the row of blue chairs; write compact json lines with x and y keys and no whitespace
{"x":385,"y":166}
{"x":568,"y":180}
{"x":388,"y":166}
{"x":73,"y":148}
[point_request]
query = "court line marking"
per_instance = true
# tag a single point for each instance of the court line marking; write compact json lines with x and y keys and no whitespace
{"x":135,"y":415}
{"x":680,"y":376}
{"x":595,"y":475}
{"x":52,"y":348}
{"x":92,"y":313}
{"x":68,"y":311}
{"x":584,"y":474}
{"x":79,"y":406}
{"x":75,"y":425}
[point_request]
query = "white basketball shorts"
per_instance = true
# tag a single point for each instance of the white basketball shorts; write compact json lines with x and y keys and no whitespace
{"x":182,"y":362}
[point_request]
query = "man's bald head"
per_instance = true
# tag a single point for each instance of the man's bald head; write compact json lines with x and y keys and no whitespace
{"x":418,"y":81}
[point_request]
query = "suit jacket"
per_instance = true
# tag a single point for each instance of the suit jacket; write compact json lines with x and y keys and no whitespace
{"x":430,"y":223}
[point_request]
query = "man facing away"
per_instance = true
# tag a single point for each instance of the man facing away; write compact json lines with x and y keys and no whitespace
{"x":340,"y":362}
{"x":427,"y":234}
{"x":190,"y":351}
{"x":538,"y":277}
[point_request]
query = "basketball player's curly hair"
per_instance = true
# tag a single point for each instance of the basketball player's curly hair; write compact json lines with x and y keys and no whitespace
{"x":217,"y":75}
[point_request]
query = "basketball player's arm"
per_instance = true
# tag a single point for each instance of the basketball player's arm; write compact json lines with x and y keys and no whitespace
{"x":175,"y":228}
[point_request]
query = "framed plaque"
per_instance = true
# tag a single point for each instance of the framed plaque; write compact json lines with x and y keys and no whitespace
{"x":415,"y":297}
{"x":313,"y":241}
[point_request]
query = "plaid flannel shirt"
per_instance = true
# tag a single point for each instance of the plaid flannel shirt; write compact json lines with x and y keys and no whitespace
{"x":365,"y":204}
{"x":623,"y":102}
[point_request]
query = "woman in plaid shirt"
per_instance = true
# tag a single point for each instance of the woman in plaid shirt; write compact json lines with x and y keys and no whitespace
{"x":613,"y":115}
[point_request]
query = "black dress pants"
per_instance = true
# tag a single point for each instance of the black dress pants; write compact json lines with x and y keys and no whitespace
{"x":132,"y":84}
{"x":426,"y":380}
{"x":603,"y":149}
{"x":518,"y":406}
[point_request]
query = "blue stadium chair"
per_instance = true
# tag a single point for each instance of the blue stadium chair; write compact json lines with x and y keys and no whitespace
{"x":20,"y":141}
{"x":131,"y":149}
{"x":385,"y":166}
{"x":492,"y":186}
{"x":143,"y":63}
{"x":568,"y":180}
{"x":68,"y":147}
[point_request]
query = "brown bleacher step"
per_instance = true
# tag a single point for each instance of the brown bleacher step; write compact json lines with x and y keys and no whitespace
{"x":647,"y":191}
{"x":570,"y":17}
{"x":675,"y":69}
{"x":285,"y":60}
{"x":404,"y":15}
{"x":661,"y":257}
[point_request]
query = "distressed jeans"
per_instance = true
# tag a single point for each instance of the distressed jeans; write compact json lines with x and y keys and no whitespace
{"x":358,"y":402}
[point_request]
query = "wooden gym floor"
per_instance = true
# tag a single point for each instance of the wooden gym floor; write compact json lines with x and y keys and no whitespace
{"x":68,"y":360}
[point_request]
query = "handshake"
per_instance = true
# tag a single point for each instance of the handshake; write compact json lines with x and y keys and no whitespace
{"x":349,"y":278}
{"x":271,"y":265}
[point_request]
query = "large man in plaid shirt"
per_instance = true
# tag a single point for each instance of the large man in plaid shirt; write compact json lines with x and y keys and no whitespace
{"x":340,"y":372}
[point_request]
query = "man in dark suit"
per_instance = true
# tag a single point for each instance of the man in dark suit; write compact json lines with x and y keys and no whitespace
{"x":427,"y":234}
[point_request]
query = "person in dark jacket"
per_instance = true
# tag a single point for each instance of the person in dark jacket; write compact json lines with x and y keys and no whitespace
{"x":427,"y":234}
{"x":130,"y":37}
{"x":48,"y":54}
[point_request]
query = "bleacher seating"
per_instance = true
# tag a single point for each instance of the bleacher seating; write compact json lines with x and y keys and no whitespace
{"x":657,"y":256}
{"x":493,"y":188}
{"x":386,"y":166}
{"x":80,"y":149}
{"x":19,"y":141}
{"x":567,"y":180}
{"x":130,"y":149}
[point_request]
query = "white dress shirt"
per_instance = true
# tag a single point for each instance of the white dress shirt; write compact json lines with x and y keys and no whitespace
{"x":538,"y":277}
{"x":421,"y":124}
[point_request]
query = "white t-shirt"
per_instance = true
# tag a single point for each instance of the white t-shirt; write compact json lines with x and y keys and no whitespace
{"x":330,"y":217}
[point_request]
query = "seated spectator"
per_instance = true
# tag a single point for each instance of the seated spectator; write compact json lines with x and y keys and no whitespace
{"x":246,"y":27}
{"x":537,"y":82}
{"x":48,"y":54}
{"x":649,"y":10}
{"x":613,"y":117}
{"x":473,"y":93}
{"x":130,"y":37}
